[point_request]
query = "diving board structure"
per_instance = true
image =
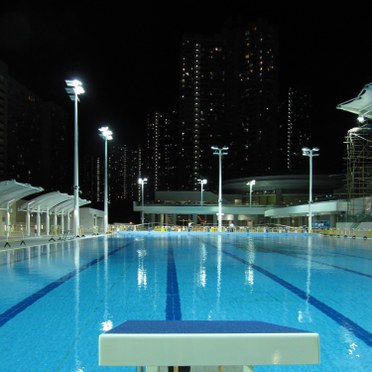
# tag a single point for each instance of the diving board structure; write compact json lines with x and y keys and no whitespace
{"x":236,"y":345}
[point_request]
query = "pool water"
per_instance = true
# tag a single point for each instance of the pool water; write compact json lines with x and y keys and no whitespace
{"x":55,"y":300}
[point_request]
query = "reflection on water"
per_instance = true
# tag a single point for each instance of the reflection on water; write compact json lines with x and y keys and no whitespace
{"x":249,"y":271}
{"x":219,"y":269}
{"x":353,"y":350}
{"x":304,"y":316}
{"x":141,"y":270}
{"x":107,"y":325}
{"x":202,"y":273}
{"x":77,"y":301}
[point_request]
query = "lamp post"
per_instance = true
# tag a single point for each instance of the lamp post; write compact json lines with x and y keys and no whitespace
{"x":142,"y":182}
{"x":219,"y":151}
{"x":202,"y":183}
{"x":250,"y":184}
{"x":73,"y":89}
{"x":310,"y":153}
{"x":106,"y":134}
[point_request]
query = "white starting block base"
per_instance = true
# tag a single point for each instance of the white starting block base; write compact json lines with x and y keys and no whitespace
{"x":206,"y":344}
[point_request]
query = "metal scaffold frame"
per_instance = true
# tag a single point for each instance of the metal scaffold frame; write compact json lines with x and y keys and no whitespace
{"x":359,"y":152}
{"x":359,"y":161}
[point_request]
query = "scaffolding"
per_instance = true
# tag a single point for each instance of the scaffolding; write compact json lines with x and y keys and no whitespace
{"x":359,"y":155}
{"x":359,"y":161}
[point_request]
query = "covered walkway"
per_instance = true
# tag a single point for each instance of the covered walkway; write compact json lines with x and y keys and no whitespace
{"x":10,"y":192}
{"x":55,"y":203}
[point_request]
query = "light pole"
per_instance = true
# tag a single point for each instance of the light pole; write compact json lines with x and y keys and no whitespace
{"x":219,"y":151}
{"x":142,"y":182}
{"x":310,"y":153}
{"x":73,"y":89}
{"x":202,"y":183}
{"x":250,"y":184}
{"x":106,"y":134}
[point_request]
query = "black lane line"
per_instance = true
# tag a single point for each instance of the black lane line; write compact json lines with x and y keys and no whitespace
{"x":173,"y":306}
{"x":342,"y":320}
{"x":28,"y":301}
{"x":300,"y":256}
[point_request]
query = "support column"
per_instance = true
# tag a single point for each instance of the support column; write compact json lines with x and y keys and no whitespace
{"x":28,"y":221}
{"x":7,"y":218}
{"x":332,"y":220}
{"x":62,"y":222}
{"x":68,"y":222}
{"x":38,"y":222}
{"x":47,"y":222}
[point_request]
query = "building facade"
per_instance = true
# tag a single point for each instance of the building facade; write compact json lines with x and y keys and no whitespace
{"x":295,"y":128}
{"x":229,"y":97}
{"x":161,"y":150}
{"x":35,"y":137}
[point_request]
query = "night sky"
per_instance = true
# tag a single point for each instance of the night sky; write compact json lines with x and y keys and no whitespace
{"x":128,"y":58}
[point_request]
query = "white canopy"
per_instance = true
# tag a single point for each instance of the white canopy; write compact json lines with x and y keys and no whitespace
{"x":360,"y":105}
{"x":54,"y":200}
{"x":11,"y":191}
{"x":44,"y":202}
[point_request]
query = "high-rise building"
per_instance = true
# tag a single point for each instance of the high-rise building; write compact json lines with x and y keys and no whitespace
{"x":24,"y":134}
{"x":201,"y":106}
{"x":296,"y":134}
{"x":125,"y":166}
{"x":91,"y":185}
{"x":161,"y":151}
{"x":34,"y":137}
{"x":116,"y":173}
{"x":3,"y":118}
{"x":229,"y":96}
{"x":57,"y":141}
{"x":252,"y":98}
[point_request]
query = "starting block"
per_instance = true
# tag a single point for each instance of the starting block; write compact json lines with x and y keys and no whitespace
{"x":200,"y":345}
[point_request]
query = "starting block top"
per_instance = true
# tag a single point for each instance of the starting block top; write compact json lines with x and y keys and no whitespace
{"x":206,"y":343}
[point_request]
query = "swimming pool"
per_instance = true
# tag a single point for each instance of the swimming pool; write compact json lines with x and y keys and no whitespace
{"x":56,"y":299}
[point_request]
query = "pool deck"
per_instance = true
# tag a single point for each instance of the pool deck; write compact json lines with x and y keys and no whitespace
{"x":15,"y":242}
{"x":31,"y":241}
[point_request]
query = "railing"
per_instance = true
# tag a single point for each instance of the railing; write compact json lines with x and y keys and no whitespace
{"x":348,"y":233}
{"x":157,"y":227}
{"x":15,"y":235}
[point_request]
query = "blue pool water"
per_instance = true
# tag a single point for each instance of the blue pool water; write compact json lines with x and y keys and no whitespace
{"x":55,"y":300}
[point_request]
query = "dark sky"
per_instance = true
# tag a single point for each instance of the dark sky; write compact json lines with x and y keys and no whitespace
{"x":127,"y":57}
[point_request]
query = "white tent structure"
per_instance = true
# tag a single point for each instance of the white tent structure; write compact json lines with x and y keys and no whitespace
{"x":10,"y":192}
{"x":55,"y":203}
{"x":360,"y":105}
{"x":65,"y":209}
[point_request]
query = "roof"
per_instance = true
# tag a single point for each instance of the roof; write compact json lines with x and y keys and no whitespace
{"x":68,"y":205}
{"x":53,"y":200}
{"x":11,"y":191}
{"x":45,"y":202}
{"x":298,"y":183}
{"x":360,"y":105}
